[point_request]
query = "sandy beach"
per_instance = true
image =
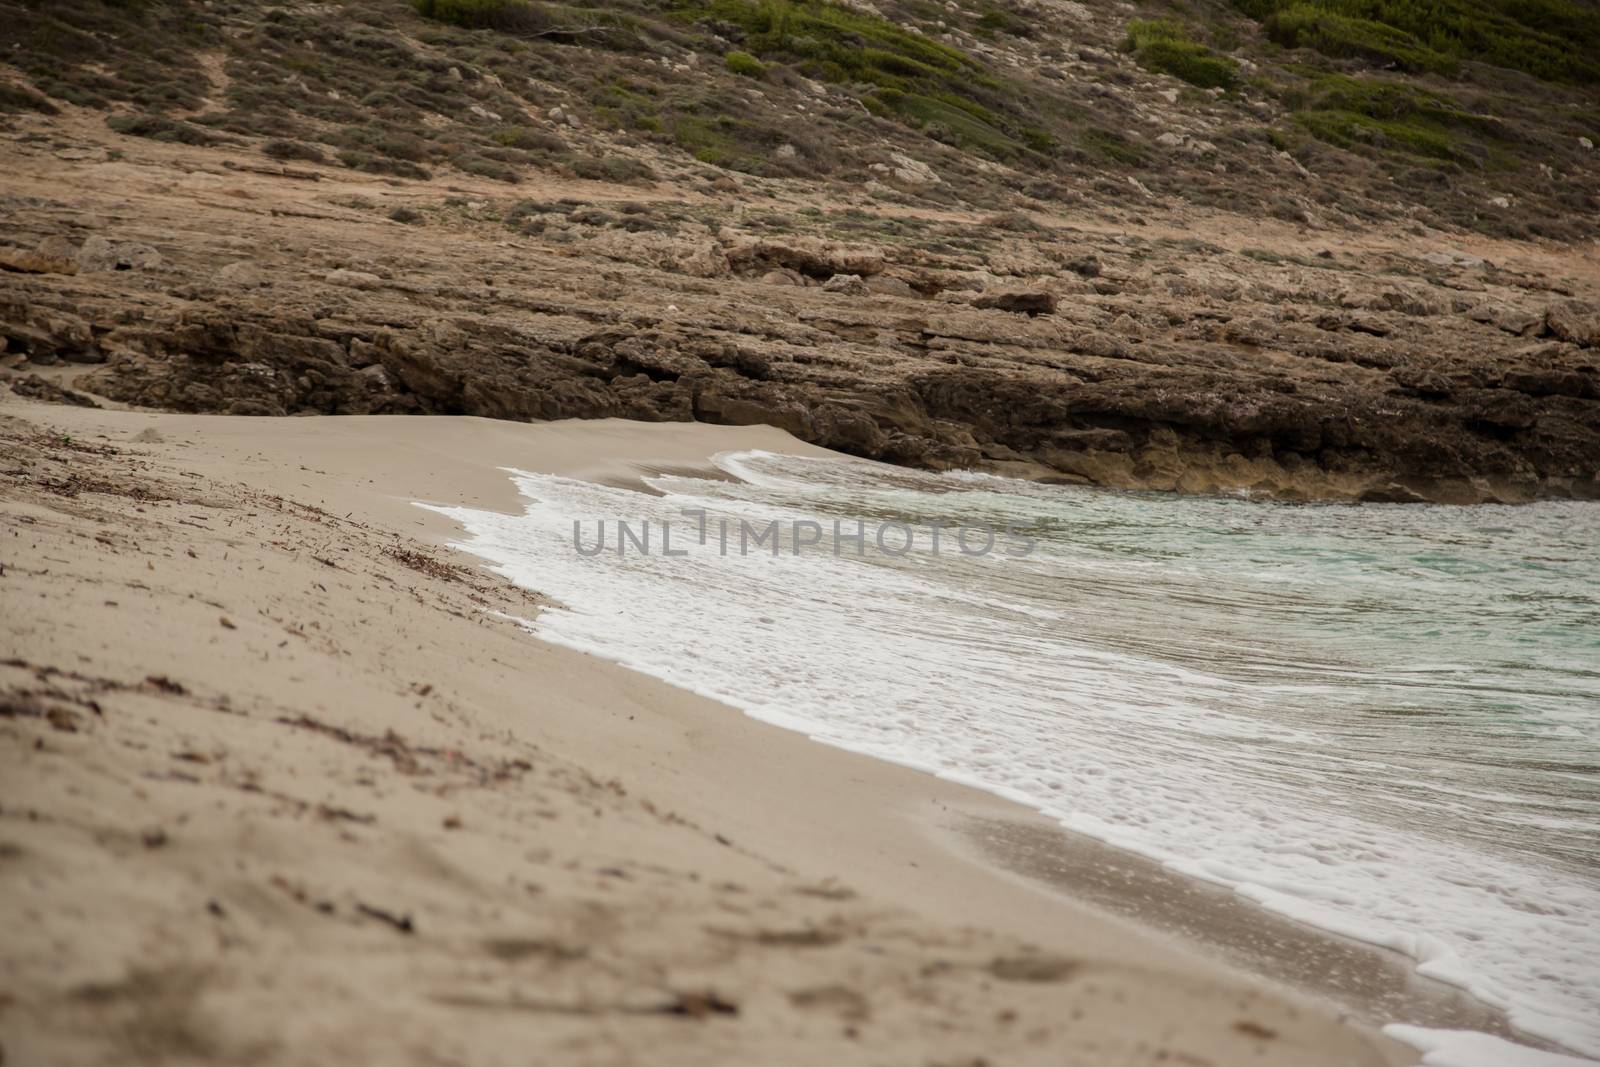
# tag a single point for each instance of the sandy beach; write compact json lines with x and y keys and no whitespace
{"x":286,"y":783}
{"x":293,"y":773}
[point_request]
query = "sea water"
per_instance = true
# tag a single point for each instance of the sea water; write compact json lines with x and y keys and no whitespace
{"x":1382,"y":720}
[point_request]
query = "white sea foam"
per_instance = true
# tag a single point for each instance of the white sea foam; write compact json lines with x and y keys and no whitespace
{"x":1464,"y":1048}
{"x":1322,"y":708}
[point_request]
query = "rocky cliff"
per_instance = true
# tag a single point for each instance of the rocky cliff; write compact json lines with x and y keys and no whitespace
{"x":952,"y":313}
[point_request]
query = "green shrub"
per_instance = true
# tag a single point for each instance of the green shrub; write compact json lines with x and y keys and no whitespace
{"x":92,"y":53}
{"x":617,"y":169}
{"x":1348,"y":129}
{"x":524,"y":212}
{"x":293,"y":150}
{"x":617,"y":104}
{"x":1110,"y":145}
{"x":551,"y":21}
{"x":356,"y":159}
{"x":159,"y":128}
{"x":1304,"y":26}
{"x":486,"y":168}
{"x":712,"y":140}
{"x":915,"y":79}
{"x":529,"y":139}
{"x":1165,"y":46}
{"x":479,"y":14}
{"x":1039,"y":140}
{"x":1393,"y":117}
{"x":1558,"y":40}
{"x":383,"y":141}
{"x":1002,"y":21}
{"x":961,"y":122}
{"x":746,"y":64}
{"x":16,"y":98}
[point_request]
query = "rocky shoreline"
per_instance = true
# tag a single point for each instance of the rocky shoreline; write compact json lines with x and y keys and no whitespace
{"x":1279,"y":361}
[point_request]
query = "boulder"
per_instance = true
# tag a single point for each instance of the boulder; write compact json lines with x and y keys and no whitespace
{"x":782,"y":276}
{"x":246,"y":274}
{"x":1084,"y":266}
{"x":889,"y":285}
{"x":1451,"y":257}
{"x":1577,"y":321}
{"x":54,"y":255}
{"x":907,"y":171}
{"x":101,"y":254}
{"x":353,"y":279}
{"x":1506,"y":317}
{"x":42,"y":389}
{"x":48,"y":335}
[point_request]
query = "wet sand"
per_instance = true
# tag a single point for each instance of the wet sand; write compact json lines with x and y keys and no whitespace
{"x":1374,"y":984}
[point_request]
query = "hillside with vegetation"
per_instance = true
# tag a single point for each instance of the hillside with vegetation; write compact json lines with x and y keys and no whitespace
{"x":1096,"y":241}
{"x":1435,"y":111}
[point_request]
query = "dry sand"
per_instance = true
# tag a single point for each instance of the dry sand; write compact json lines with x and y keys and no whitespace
{"x":277,"y":785}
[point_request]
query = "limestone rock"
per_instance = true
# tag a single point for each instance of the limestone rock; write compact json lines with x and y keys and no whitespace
{"x":245,"y":273}
{"x":1511,"y":319}
{"x":54,"y":255}
{"x":907,"y":171}
{"x":783,"y":276}
{"x":850,"y":284}
{"x":101,"y":254}
{"x":1018,"y":301}
{"x":353,"y":279}
{"x":807,"y":256}
{"x":1451,"y":257}
{"x":889,"y":285}
{"x":1577,"y":321}
{"x":43,"y":389}
{"x":47,"y":335}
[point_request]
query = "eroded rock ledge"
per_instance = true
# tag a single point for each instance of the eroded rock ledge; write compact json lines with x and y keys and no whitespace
{"x":1068,"y":356}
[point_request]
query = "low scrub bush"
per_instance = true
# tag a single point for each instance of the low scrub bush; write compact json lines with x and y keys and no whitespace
{"x":1391,"y":116}
{"x":905,"y":75}
{"x":366,"y":161}
{"x":160,"y":128}
{"x":746,"y":64}
{"x":1558,"y":40}
{"x":1304,"y":26}
{"x":610,"y":168}
{"x":1165,"y":46}
{"x":551,"y":21}
{"x":999,"y":20}
{"x":1110,"y":146}
{"x":512,"y":15}
{"x":16,"y":98}
{"x":93,"y":53}
{"x":528,"y":139}
{"x":294,"y":150}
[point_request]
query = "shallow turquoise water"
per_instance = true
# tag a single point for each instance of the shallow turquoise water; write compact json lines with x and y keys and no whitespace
{"x":1383,"y":720}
